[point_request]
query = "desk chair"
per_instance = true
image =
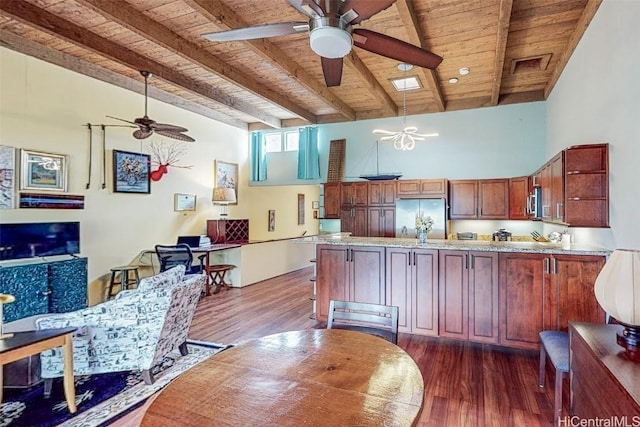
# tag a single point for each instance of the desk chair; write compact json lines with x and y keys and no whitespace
{"x":555,"y":344}
{"x":171,"y":255}
{"x":375,"y":319}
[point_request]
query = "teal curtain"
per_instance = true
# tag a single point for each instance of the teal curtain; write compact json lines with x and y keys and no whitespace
{"x":258,"y":157}
{"x":308,"y":156}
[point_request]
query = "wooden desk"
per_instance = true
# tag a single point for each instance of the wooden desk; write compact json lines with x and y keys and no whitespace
{"x":315,"y":377}
{"x":604,"y":383}
{"x":24,"y":344}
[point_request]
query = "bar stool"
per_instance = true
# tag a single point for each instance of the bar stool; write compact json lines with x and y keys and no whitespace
{"x":128,"y":277}
{"x":555,"y":344}
{"x":217,"y":273}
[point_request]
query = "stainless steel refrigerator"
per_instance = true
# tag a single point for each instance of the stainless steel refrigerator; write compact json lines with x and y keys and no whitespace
{"x":408,"y":209}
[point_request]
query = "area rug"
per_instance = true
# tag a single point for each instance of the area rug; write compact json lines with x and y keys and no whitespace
{"x":100,"y":398}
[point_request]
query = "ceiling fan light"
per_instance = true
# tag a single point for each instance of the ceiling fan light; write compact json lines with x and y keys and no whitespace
{"x":330,"y":42}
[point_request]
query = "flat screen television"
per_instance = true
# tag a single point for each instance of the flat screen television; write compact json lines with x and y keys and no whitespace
{"x":39,"y":239}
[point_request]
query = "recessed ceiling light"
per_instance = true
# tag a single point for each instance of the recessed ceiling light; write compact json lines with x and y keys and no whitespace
{"x":404,"y":67}
{"x":464,"y":71}
{"x":453,"y":80}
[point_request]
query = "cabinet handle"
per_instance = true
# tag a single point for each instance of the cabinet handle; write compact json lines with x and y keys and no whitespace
{"x":464,"y":260}
{"x":558,"y":207}
{"x":346,"y":255}
{"x":44,"y":294}
{"x":555,"y":266}
{"x":546,"y":265}
{"x":409,"y":258}
{"x":414,"y":258}
{"x":472,"y":260}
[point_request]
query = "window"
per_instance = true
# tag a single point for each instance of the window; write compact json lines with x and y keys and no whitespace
{"x":276,"y":142}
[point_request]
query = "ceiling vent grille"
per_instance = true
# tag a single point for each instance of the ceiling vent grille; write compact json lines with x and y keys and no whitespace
{"x":530,"y":64}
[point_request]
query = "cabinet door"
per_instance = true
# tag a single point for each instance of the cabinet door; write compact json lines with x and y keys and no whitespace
{"x":483,"y":297}
{"x":68,"y":281}
{"x":398,"y":284}
{"x":557,"y":188}
{"x":354,"y":193}
{"x":354,"y":220}
{"x":453,"y":294}
{"x":433,"y":187}
{"x":382,"y":193}
{"x":29,"y":285}
{"x":408,"y":187}
{"x":571,"y":296}
{"x":463,"y":199}
{"x":332,"y":277}
{"x":424,"y":291}
{"x":518,"y":193}
{"x":545,"y":184}
{"x":493,"y":198}
{"x":367,"y":269}
{"x":332,"y":200}
{"x":381,"y":222}
{"x":521,"y":299}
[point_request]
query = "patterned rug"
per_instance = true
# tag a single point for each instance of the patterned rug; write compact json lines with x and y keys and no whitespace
{"x":100,"y":398}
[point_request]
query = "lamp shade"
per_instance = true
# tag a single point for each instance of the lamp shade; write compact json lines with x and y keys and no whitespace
{"x":617,"y":287}
{"x":223,"y":195}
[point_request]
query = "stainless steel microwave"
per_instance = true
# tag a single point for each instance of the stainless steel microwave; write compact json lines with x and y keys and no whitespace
{"x":534,"y":203}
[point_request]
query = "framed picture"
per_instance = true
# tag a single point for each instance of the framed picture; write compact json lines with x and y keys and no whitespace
{"x":131,"y":172}
{"x":226,"y":175}
{"x":300,"y":209}
{"x":272,"y":220}
{"x":43,"y":171}
{"x":7,"y":176}
{"x":184,"y":202}
{"x":315,"y":204}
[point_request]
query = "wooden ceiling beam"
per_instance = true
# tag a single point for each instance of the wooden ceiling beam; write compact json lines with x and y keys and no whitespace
{"x":137,"y":22}
{"x":44,"y":53}
{"x":587,"y":15}
{"x":376,"y":89}
{"x":504,"y":18}
{"x":217,"y":12}
{"x":408,"y":17}
{"x":56,"y":26}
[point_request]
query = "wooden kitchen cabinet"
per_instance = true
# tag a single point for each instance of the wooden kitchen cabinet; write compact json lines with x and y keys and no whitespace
{"x":332,"y":200}
{"x":521,"y":299}
{"x":468,"y":295}
{"x":479,"y":199}
{"x":587,"y":185}
{"x":381,"y":221}
{"x":412,"y":286}
{"x":518,"y":196}
{"x":433,"y":188}
{"x":382,"y":193}
{"x":355,"y":221}
{"x":349,"y":273}
{"x":354,"y":194}
{"x":557,"y":188}
{"x":569,"y":296}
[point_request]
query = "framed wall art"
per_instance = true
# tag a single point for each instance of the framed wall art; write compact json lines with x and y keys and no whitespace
{"x":7,"y":176}
{"x":131,"y":172}
{"x":184,"y":202}
{"x":42,"y":171}
{"x":226,"y":176}
{"x":272,"y":220}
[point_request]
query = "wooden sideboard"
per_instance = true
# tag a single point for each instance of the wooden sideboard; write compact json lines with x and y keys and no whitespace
{"x":604,"y":383}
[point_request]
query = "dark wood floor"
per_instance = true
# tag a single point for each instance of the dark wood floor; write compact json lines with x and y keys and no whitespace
{"x":466,"y":384}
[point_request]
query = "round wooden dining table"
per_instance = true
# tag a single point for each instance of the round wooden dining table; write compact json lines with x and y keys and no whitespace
{"x":315,"y":377}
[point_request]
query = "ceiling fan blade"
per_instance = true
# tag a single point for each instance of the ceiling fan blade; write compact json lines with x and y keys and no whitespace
{"x":168,"y":128}
{"x":258,"y":32}
{"x":365,"y":9}
{"x":307,"y":7}
{"x":142,"y":134}
{"x":395,"y":49}
{"x":175,"y":135}
{"x":123,"y":120}
{"x":332,"y":70}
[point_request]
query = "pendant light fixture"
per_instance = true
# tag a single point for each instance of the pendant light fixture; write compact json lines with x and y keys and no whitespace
{"x":405,"y":139}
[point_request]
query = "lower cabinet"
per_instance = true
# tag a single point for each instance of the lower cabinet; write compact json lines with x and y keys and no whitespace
{"x":468,"y":295}
{"x":382,"y":222}
{"x":349,"y":273}
{"x":412,"y":285}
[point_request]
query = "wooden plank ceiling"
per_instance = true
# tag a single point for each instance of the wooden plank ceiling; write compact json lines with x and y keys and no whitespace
{"x":515,"y":51}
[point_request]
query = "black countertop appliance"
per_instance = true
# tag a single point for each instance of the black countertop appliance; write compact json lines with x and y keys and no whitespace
{"x":502,"y":235}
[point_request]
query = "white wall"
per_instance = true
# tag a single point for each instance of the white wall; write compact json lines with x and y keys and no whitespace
{"x":597,"y":99}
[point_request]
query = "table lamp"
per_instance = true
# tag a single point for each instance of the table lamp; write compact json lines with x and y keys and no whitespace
{"x":4,"y":299}
{"x":617,"y":290}
{"x":224,"y":196}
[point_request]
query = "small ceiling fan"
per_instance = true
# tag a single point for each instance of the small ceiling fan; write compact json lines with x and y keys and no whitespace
{"x":147,"y":126}
{"x":331,"y":34}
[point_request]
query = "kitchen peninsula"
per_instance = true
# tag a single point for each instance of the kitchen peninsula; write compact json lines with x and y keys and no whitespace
{"x":501,"y":293}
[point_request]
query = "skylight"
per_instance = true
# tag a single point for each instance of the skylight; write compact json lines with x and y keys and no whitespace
{"x":409,"y":83}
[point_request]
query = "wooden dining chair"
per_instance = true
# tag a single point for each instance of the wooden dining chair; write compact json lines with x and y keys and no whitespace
{"x":375,"y":319}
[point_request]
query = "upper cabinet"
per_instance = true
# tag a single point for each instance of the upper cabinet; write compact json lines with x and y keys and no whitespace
{"x":382,"y":193}
{"x":586,"y":183}
{"x":354,"y":193}
{"x":518,"y":196}
{"x":332,"y":200}
{"x":479,"y":199}
{"x":425,"y":188}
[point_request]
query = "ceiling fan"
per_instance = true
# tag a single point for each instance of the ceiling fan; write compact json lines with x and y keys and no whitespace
{"x":147,"y":126}
{"x":331,"y":34}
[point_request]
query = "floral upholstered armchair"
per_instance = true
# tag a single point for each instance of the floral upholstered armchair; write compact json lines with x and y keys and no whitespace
{"x":134,"y":331}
